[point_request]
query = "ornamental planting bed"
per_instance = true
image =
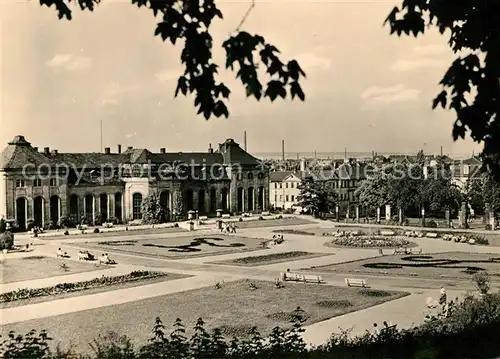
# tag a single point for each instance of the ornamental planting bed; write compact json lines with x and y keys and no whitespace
{"x":370,"y":241}
{"x":457,"y":265}
{"x":236,"y":307}
{"x":178,"y":247}
{"x":27,"y":296}
{"x":272,"y":258}
{"x":37,"y":267}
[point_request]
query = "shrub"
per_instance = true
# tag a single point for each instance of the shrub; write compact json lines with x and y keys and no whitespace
{"x":280,"y":216}
{"x":3,"y":225}
{"x":6,"y":240}
{"x":96,"y":230}
{"x":176,"y":225}
{"x":261,"y":218}
{"x":406,"y":222}
{"x":67,"y":222}
{"x":30,"y":224}
{"x":481,"y":240}
{"x":375,"y":293}
{"x":66,"y":233}
{"x":240,"y":219}
{"x":431,"y":224}
{"x":482,"y":282}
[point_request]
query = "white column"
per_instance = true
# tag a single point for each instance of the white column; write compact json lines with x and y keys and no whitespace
{"x":387,"y":212}
{"x":93,"y":208}
{"x":378,"y":214}
{"x":243,"y":200}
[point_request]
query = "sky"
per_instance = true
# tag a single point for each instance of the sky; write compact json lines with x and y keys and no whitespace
{"x":365,"y":90}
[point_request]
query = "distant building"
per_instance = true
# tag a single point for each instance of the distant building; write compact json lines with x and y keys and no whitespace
{"x":284,"y":189}
{"x":463,"y":170}
{"x":45,"y":186}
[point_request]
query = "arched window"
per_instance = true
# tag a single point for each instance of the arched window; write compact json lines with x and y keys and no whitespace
{"x":250,"y":176}
{"x":136,"y":206}
{"x":260,"y":175}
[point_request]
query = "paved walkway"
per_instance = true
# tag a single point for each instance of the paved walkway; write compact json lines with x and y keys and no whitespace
{"x":404,"y":311}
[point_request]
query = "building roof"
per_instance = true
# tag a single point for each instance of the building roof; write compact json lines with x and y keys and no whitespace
{"x":280,"y":176}
{"x":20,"y":152}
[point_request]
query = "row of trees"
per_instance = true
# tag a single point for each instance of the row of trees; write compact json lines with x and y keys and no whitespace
{"x":406,"y":187}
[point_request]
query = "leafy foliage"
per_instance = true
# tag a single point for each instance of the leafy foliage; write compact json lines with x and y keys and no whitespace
{"x":152,"y":210}
{"x":190,"y":22}
{"x":470,"y":86}
{"x":6,"y":240}
{"x":374,"y":192}
{"x":316,"y":197}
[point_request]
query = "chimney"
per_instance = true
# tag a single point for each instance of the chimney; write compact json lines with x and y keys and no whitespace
{"x":54,"y":152}
{"x":119,"y":148}
{"x":107,"y":150}
{"x":441,"y":151}
{"x":46,"y":150}
{"x":129,"y":147}
{"x":245,"y":140}
{"x":210,"y":149}
{"x":283,"y":149}
{"x":303,"y":165}
{"x":36,"y":149}
{"x":163,"y":150}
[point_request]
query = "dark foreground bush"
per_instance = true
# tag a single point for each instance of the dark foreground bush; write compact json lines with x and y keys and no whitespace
{"x":470,"y":330}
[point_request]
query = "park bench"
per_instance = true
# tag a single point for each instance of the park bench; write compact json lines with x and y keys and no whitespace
{"x":203,"y":218}
{"x":297,"y":277}
{"x":356,"y":282}
{"x":226,"y":215}
{"x":312,"y":278}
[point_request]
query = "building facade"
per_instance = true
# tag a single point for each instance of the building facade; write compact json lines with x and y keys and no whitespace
{"x":47,"y":186}
{"x":284,"y":189}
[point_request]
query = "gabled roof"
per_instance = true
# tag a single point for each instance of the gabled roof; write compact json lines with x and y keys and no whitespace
{"x":281,"y":176}
{"x":234,"y":154}
{"x":19,"y":153}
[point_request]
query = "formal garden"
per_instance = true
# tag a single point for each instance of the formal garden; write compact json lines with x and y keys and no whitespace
{"x":458,"y":265}
{"x":179,"y":247}
{"x":271,"y":258}
{"x":233,"y":307}
{"x":468,"y":329}
{"x":26,"y":296}
{"x":36,"y":267}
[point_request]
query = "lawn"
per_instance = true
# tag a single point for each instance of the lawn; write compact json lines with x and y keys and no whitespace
{"x":179,"y":247}
{"x":132,"y":231}
{"x":97,"y":289}
{"x":272,"y":258}
{"x":234,"y":308}
{"x":37,"y":267}
{"x":458,"y":265}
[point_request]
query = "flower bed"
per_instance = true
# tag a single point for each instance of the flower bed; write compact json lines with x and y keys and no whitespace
{"x":270,"y":257}
{"x":370,"y":242}
{"x":61,"y":288}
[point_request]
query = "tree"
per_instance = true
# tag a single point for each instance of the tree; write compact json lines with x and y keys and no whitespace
{"x":491,"y":193}
{"x":190,"y":21}
{"x":373,"y":192}
{"x":404,"y":186}
{"x":316,"y":197}
{"x":152,"y":210}
{"x":474,"y":195}
{"x":470,"y":86}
